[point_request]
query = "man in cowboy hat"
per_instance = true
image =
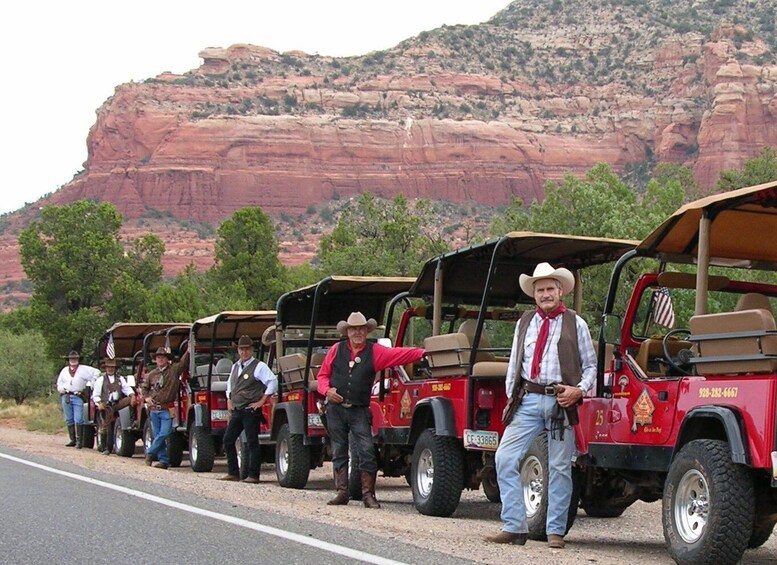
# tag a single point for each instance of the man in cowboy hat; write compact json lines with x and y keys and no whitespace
{"x":71,"y":382}
{"x":111,"y":393}
{"x":251,"y":383}
{"x":552,"y":365}
{"x":160,"y":391}
{"x":345,"y":378}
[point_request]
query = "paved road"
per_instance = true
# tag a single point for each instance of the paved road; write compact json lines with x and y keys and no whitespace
{"x":50,"y":517}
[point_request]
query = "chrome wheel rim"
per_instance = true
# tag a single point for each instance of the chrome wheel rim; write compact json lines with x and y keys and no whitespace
{"x":533,"y":487}
{"x":193,"y":449}
{"x":424,"y":473}
{"x":283,"y":457}
{"x":692,"y":506}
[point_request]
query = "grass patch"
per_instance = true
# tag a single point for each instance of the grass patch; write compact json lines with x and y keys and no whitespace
{"x":37,"y":415}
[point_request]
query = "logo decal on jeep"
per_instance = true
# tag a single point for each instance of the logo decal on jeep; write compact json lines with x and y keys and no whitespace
{"x":404,"y":406}
{"x":643,"y":410}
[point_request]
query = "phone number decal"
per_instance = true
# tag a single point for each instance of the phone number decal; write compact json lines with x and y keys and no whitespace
{"x":719,"y":392}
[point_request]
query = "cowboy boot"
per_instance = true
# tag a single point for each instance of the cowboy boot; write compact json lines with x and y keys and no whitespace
{"x":79,"y":436}
{"x":71,"y":430}
{"x":368,"y":490}
{"x":105,"y":448}
{"x":341,"y":486}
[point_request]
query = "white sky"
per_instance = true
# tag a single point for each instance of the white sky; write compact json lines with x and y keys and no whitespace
{"x":63,"y":59}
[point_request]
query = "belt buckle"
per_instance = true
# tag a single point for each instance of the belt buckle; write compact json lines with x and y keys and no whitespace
{"x":346,"y":404}
{"x":550,"y":390}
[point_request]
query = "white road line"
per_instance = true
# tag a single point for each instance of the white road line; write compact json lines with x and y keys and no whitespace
{"x":313,"y":542}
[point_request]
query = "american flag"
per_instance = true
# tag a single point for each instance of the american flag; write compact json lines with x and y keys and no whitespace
{"x":167,"y":344}
{"x":663,"y":312}
{"x":110,"y":350}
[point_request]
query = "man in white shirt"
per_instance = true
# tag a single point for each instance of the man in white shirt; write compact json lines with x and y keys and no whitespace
{"x":251,"y":383}
{"x":552,"y":366}
{"x":111,"y":393}
{"x":72,"y":380}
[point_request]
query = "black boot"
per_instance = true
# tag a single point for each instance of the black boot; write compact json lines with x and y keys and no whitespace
{"x":71,"y":430}
{"x":79,"y":436}
{"x":341,"y":485}
{"x":104,"y":447}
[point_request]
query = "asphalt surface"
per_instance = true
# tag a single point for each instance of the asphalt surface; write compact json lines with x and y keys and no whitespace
{"x":50,"y":518}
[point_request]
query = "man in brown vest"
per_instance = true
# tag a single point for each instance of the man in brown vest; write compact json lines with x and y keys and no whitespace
{"x":111,"y":393}
{"x":251,"y":383}
{"x":552,"y":365}
{"x":346,"y":378}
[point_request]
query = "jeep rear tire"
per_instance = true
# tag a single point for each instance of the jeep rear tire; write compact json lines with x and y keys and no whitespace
{"x":354,"y":476}
{"x":88,"y":432}
{"x":148,"y":437}
{"x":760,"y":535}
{"x":123,"y":440}
{"x":603,"y":508}
{"x":437,"y":474}
{"x":708,"y":506}
{"x":176,"y":444}
{"x":490,"y":484}
{"x":242,"y":457}
{"x":292,"y":459}
{"x":202,"y":450}
{"x":534,"y":478}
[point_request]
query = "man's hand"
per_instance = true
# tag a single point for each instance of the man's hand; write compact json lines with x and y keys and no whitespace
{"x":258,"y":404}
{"x":569,"y":395}
{"x":332,"y":396}
{"x":132,"y":400}
{"x":100,"y":406}
{"x":229,"y":405}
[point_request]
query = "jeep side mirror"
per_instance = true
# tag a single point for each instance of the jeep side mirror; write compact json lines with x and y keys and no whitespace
{"x":611,"y":329}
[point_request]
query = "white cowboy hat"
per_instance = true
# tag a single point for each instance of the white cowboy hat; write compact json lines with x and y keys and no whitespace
{"x":546,"y":271}
{"x":356,"y":319}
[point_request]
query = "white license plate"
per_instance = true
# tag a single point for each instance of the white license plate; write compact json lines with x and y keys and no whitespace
{"x":314,"y":421}
{"x":479,"y":439}
{"x":219,"y":415}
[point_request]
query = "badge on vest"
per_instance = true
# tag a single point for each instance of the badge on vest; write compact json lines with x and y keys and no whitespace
{"x":245,"y":377}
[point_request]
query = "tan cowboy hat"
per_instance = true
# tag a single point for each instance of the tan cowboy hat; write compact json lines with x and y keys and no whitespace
{"x":163,"y":351}
{"x":546,"y":271}
{"x":355,"y":320}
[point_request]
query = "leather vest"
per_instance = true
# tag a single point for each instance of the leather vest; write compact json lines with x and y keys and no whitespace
{"x":568,"y":353}
{"x":108,"y":388}
{"x":244,"y":388}
{"x":354,"y":384}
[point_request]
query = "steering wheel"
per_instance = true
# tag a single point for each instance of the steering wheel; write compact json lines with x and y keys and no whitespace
{"x":672,"y":362}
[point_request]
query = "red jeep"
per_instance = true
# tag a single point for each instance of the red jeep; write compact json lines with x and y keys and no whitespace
{"x":305,"y":330}
{"x":213,"y":341}
{"x":684,"y":410}
{"x":440,"y":428}
{"x":128,"y":344}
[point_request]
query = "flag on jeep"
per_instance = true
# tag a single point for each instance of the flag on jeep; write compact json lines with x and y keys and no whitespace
{"x":663,"y":312}
{"x":110,"y":349}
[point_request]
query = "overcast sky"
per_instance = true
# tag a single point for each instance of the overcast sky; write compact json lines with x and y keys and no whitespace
{"x":63,"y":59}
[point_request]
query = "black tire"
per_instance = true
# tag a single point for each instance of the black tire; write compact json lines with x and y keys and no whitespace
{"x":760,"y":535}
{"x":354,"y":476}
{"x":109,"y":440}
{"x":123,"y":440}
{"x":242,"y":458}
{"x":202,"y":450}
{"x":176,"y":445}
{"x":292,"y":459}
{"x":88,"y":440}
{"x":604,"y":508}
{"x":535,"y":478}
{"x":490,"y":484}
{"x":148,"y":437}
{"x":437,"y":474}
{"x":708,"y":507}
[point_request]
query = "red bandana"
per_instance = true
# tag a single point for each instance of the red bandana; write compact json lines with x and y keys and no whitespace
{"x":542,"y":338}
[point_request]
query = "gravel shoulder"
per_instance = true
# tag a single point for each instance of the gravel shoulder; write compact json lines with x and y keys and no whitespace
{"x":635,"y":537}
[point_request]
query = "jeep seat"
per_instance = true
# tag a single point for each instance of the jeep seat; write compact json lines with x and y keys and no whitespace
{"x":222,"y":370}
{"x":651,"y":353}
{"x":448,"y":354}
{"x":735,"y":342}
{"x":468,"y":328}
{"x":291,"y":368}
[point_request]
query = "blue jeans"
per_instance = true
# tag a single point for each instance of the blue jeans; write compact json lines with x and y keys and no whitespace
{"x":73,"y":409}
{"x":161,"y":427}
{"x":530,"y":420}
{"x":354,"y":423}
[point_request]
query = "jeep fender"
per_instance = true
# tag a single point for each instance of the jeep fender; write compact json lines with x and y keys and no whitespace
{"x":294,"y":416}
{"x":200,"y":416}
{"x":733,"y":428}
{"x":442,"y":412}
{"x":125,"y":418}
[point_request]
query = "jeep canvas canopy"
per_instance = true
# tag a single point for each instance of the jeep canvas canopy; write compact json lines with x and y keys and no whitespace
{"x":128,"y":337}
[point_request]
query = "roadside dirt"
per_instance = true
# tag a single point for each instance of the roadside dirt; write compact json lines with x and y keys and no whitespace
{"x":635,"y":537}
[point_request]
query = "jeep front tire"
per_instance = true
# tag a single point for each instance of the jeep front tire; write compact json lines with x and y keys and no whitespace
{"x":292,"y":459}
{"x":708,"y":505}
{"x":437,"y":473}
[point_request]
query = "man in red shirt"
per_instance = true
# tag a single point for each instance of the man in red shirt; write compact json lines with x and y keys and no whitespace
{"x":345,"y":378}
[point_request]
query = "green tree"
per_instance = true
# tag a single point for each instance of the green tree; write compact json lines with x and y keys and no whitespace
{"x":758,"y":170}
{"x":247,"y":253}
{"x":23,"y":374}
{"x":71,"y":255}
{"x":381,"y":238}
{"x":143,"y":260}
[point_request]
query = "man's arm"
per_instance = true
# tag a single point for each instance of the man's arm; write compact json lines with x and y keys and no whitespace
{"x":61,"y":382}
{"x":325,"y":372}
{"x":385,"y":357}
{"x":97,"y":391}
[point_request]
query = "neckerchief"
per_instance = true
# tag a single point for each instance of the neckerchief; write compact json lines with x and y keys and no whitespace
{"x":542,"y":338}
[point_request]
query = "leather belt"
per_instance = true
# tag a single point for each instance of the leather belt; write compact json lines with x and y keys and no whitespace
{"x":536,"y":388}
{"x":165,"y":406}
